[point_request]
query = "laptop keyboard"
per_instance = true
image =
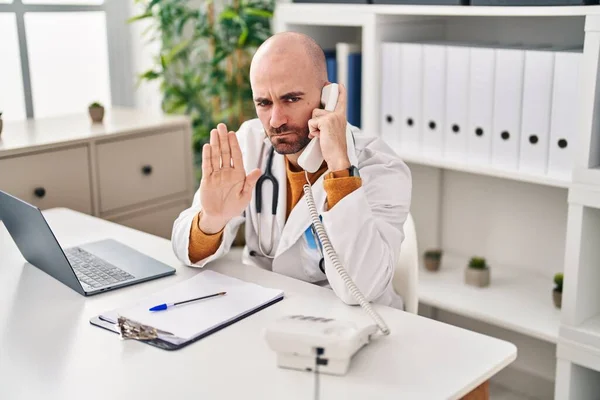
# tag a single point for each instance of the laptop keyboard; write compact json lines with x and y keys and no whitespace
{"x":94,"y":271}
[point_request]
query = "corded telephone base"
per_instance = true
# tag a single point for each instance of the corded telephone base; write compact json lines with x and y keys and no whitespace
{"x":305,"y":343}
{"x":304,"y":363}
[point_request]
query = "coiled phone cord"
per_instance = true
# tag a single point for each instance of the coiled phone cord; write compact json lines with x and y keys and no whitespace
{"x":314,"y":216}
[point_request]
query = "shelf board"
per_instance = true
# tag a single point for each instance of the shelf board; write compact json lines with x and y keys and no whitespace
{"x":290,"y":11}
{"x":587,"y":334}
{"x":578,"y":353}
{"x":585,"y":195}
{"x":585,"y":189}
{"x":517,"y":299}
{"x":483,"y":170}
{"x":587,"y":176}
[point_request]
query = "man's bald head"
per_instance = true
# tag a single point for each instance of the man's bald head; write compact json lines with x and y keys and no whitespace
{"x":296,"y":49}
{"x":287,"y":75}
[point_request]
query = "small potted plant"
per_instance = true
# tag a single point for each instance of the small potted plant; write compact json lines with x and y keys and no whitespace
{"x":96,"y":111}
{"x":477,"y":272}
{"x":432,"y":259}
{"x":557,"y":291}
{"x":1,"y":123}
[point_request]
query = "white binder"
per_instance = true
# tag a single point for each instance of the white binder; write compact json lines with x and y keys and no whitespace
{"x":506,"y":126}
{"x":434,"y":86}
{"x":390,"y":94}
{"x":411,"y":82}
{"x":481,"y":103}
{"x":457,"y":103}
{"x":537,"y":103}
{"x":563,"y":122}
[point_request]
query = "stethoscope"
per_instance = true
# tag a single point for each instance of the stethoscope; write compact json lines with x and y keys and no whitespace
{"x":268,"y":176}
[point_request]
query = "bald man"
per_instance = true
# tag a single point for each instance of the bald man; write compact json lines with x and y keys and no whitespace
{"x":362,"y":190}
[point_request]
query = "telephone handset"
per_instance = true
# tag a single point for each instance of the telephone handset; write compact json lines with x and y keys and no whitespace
{"x":311,"y":158}
{"x":305,"y":342}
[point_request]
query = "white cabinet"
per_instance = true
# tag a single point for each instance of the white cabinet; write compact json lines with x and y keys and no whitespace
{"x":157,"y":220}
{"x":141,"y":169}
{"x":528,"y":225}
{"x":134,"y":169}
{"x":53,"y":178}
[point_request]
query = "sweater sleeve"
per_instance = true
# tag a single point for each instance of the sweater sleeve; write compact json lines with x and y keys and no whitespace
{"x":201,"y":244}
{"x":339,"y":184}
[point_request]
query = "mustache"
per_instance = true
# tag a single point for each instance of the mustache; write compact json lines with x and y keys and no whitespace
{"x":286,"y":129}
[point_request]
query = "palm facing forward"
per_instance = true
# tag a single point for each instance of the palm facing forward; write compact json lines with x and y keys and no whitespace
{"x":225,"y":190}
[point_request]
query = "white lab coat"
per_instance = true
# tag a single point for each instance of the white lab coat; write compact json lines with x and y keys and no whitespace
{"x":365,"y":227}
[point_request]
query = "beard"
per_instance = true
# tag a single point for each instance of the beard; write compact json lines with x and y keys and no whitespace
{"x":288,"y":139}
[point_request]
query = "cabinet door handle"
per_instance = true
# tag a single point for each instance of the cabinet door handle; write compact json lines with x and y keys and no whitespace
{"x":39,"y":192}
{"x":147,"y":169}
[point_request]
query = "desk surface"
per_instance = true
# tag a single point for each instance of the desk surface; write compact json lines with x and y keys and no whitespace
{"x":48,"y":349}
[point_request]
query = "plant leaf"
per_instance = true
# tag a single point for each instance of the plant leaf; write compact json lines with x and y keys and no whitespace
{"x":145,"y":15}
{"x":244,"y":34}
{"x":150,"y":75}
{"x":175,"y":51}
{"x":255,"y":12}
{"x":228,"y":14}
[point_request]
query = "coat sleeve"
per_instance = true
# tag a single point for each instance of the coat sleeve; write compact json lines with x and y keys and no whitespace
{"x":369,"y":246}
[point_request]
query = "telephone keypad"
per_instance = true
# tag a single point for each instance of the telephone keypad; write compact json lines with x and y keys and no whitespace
{"x":311,"y":318}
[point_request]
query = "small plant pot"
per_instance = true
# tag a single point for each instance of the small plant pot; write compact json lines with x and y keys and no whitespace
{"x":477,"y":277}
{"x":432,"y":263}
{"x":557,"y":297}
{"x":96,"y":114}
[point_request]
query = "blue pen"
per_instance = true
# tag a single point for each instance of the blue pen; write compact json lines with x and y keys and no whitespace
{"x":168,"y":305}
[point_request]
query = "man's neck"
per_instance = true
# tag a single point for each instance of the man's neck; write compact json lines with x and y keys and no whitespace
{"x":293,"y":159}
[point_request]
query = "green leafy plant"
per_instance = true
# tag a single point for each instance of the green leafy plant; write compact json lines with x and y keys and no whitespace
{"x":478,"y":263}
{"x":558,"y":281}
{"x":96,"y":105}
{"x":204,"y":59}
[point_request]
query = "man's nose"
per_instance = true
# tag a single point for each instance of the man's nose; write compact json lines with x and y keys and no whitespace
{"x":278,"y":117}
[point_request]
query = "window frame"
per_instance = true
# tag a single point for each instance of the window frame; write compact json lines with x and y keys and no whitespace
{"x":118,"y":39}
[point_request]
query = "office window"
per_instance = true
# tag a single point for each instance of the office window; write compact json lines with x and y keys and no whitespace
{"x":60,"y":55}
{"x":12,"y":100}
{"x":68,"y":60}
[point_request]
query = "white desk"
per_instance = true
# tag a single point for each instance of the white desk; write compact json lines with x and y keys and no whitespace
{"x":49,"y":350}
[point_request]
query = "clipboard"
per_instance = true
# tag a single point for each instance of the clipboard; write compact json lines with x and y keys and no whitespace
{"x":175,"y":331}
{"x":163,"y":344}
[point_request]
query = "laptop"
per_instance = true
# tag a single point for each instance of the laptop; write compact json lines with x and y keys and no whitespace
{"x":88,"y":269}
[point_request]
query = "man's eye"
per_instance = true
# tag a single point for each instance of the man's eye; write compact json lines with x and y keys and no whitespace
{"x":262,"y":103}
{"x":293,"y":99}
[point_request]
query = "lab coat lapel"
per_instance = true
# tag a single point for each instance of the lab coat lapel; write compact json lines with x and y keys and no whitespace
{"x":259,"y":162}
